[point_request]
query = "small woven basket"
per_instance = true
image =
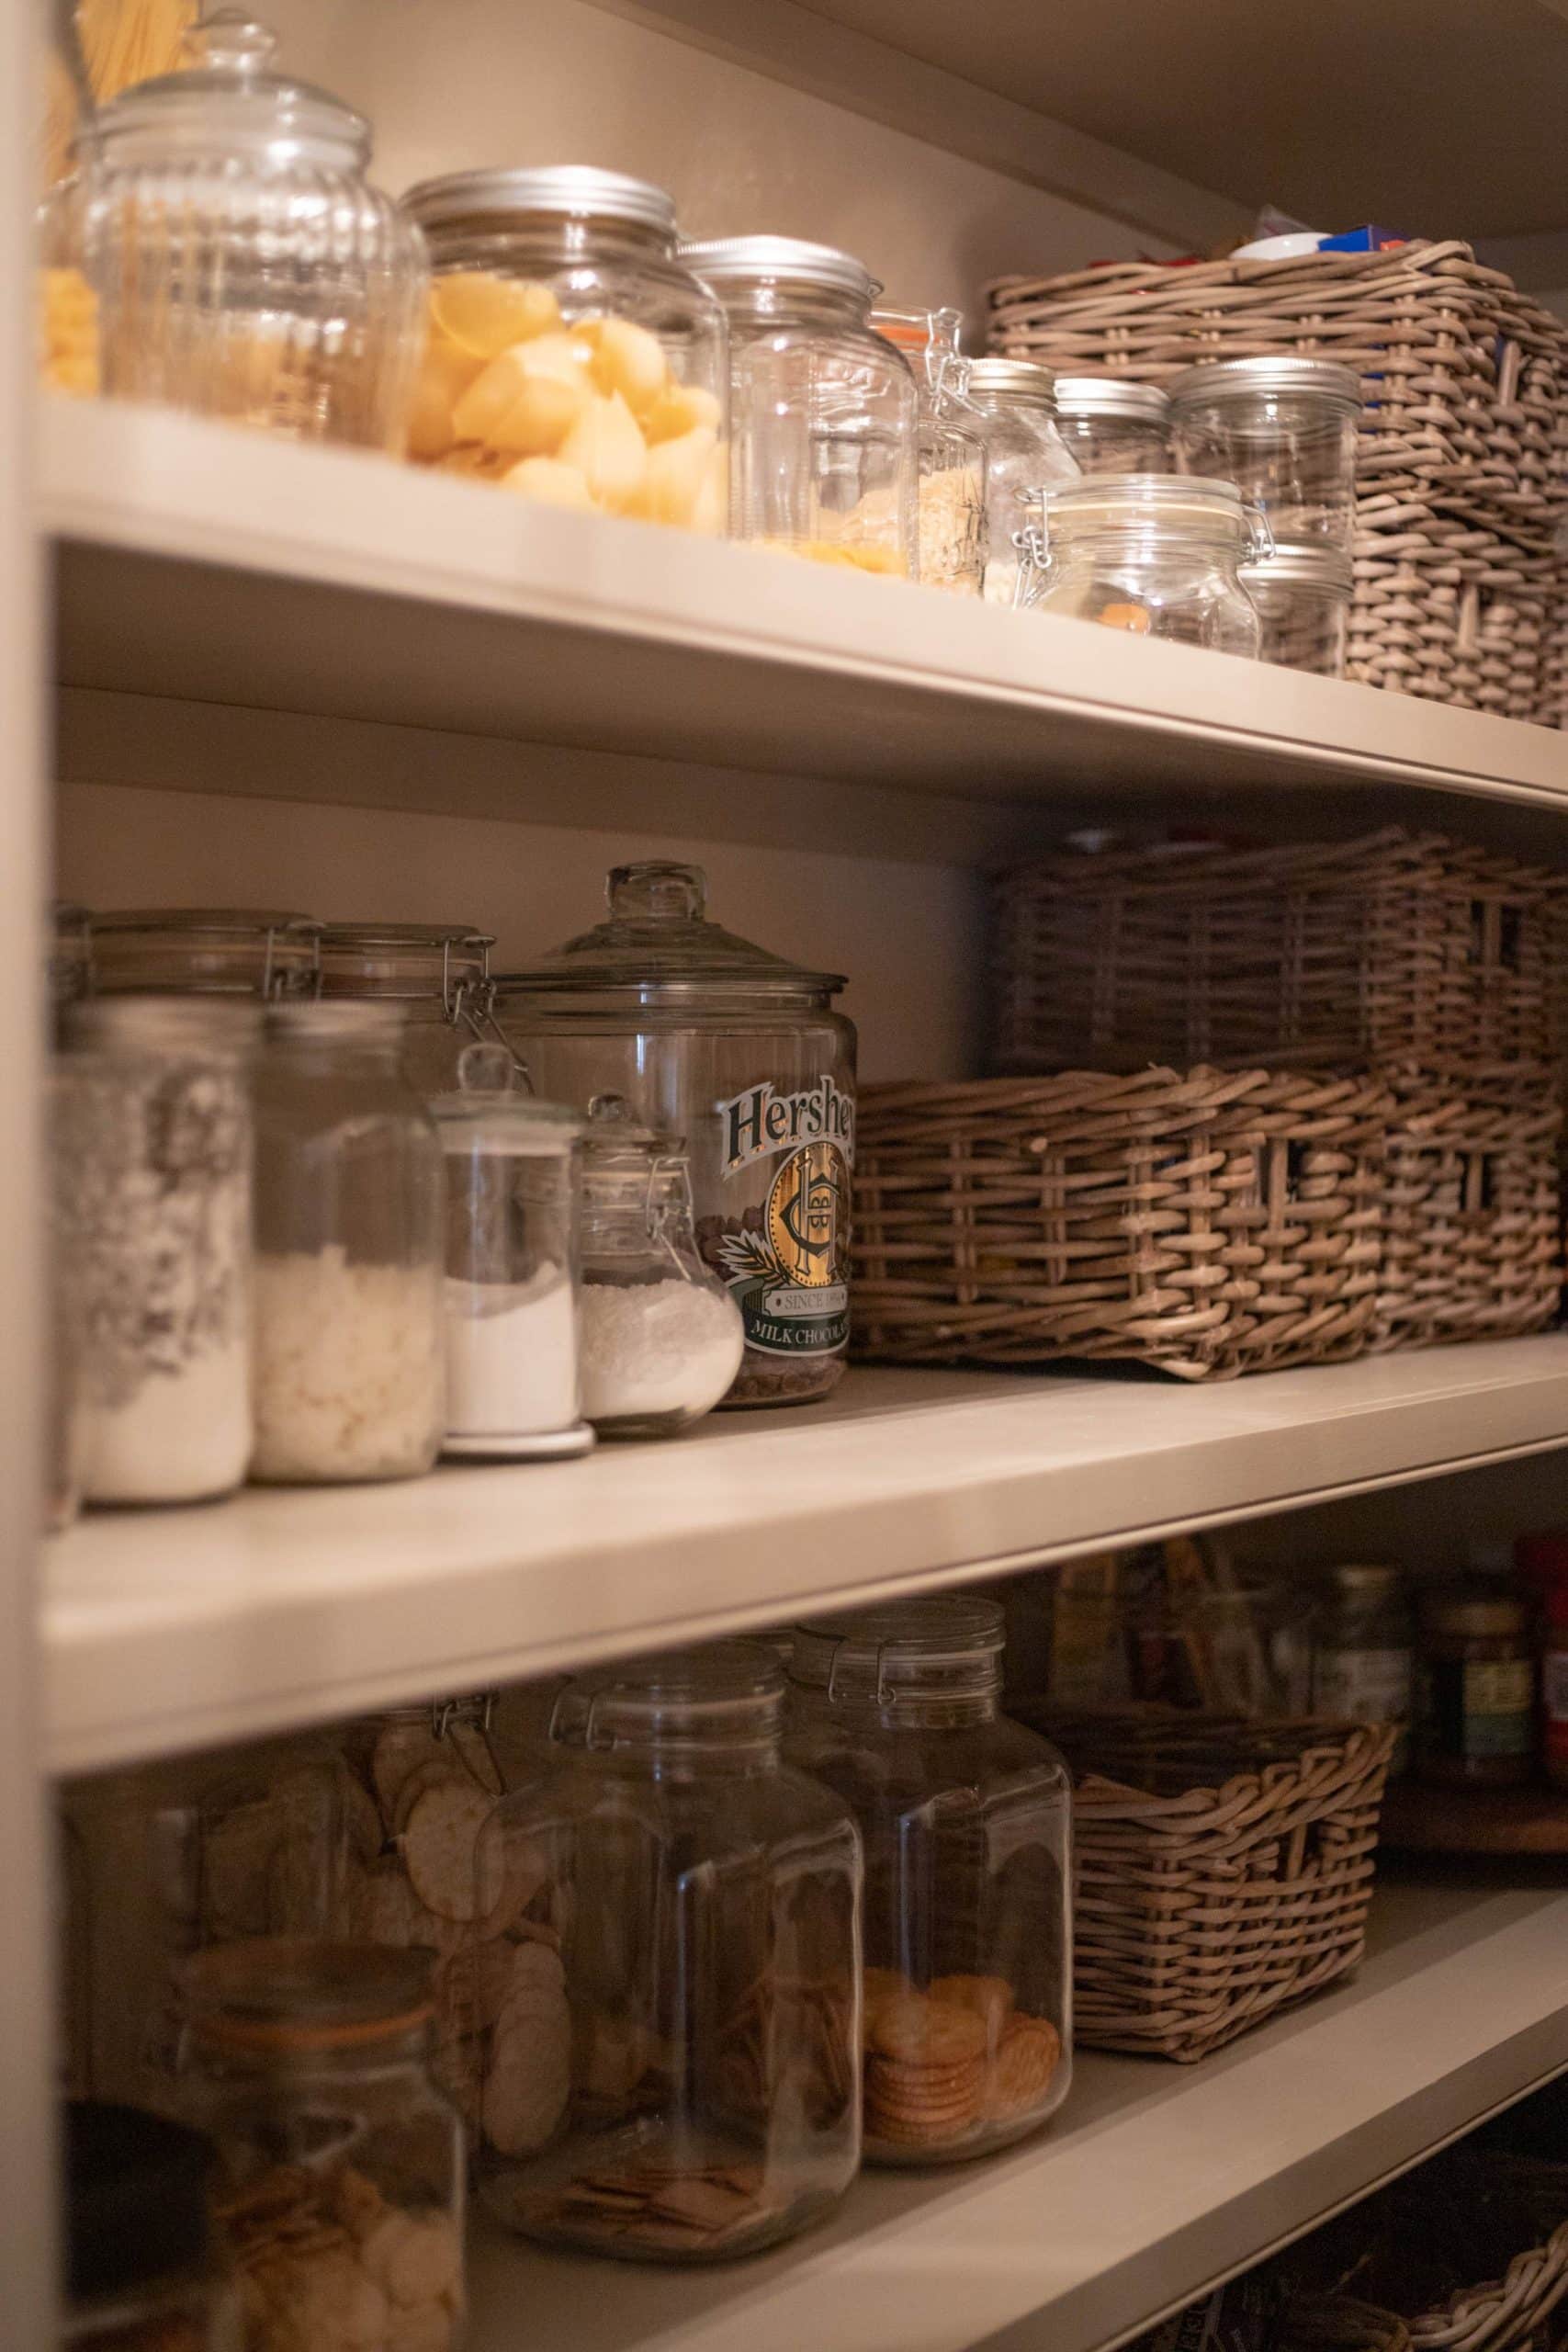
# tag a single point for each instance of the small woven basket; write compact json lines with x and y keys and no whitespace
{"x":1223,"y":1869}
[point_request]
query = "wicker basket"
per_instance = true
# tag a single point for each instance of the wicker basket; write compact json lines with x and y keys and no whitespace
{"x":1205,"y":1223}
{"x":1223,"y":1869}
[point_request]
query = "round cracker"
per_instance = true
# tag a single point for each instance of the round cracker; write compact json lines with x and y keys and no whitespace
{"x":990,"y":1998}
{"x":438,"y":1847}
{"x":472,"y":1985}
{"x":916,"y":2029}
{"x":440,"y":1773}
{"x":399,"y":1749}
{"x":1020,"y":2073}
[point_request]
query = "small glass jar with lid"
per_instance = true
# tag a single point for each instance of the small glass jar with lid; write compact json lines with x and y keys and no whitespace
{"x":1475,"y":1716}
{"x":1113,"y":425}
{"x":1024,"y":453}
{"x":439,"y":973}
{"x":822,"y":412}
{"x":510,"y":1295}
{"x":1302,"y":595}
{"x":1152,"y":554}
{"x":340,"y":2185}
{"x":1364,"y":1667}
{"x":968,"y":1822}
{"x":142,"y":2273}
{"x":570,"y":354}
{"x":244,"y":265}
{"x":203,"y":951}
{"x":1284,"y":431}
{"x":662,"y":1337}
{"x":679,"y":2081}
{"x":349,"y":1347}
{"x":741,"y":1053}
{"x":950,"y":450}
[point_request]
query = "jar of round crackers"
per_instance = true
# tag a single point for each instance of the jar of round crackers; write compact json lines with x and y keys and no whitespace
{"x":340,"y":2194}
{"x":672,"y":2076}
{"x":966,"y":1819}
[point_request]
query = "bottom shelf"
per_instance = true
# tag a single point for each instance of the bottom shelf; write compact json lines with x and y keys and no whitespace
{"x":1153,"y":2182}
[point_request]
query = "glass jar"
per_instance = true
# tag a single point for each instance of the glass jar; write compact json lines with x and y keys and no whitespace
{"x":439,"y":973}
{"x":1112,"y":426}
{"x":822,"y":413}
{"x":244,"y":265}
{"x":1475,"y":1719}
{"x":968,"y":1822}
{"x":203,"y":951}
{"x":140,"y":2273}
{"x":662,"y":1337}
{"x":949,"y":448}
{"x":677,"y":2083}
{"x":1024,"y":453}
{"x":67,"y":1425}
{"x":1152,"y":555}
{"x":1284,"y":431}
{"x":510,"y":1295}
{"x":340,"y":2191}
{"x":1302,"y":595}
{"x":158,"y":1206}
{"x":741,"y":1053}
{"x":349,"y":1355}
{"x":1243,"y":1650}
{"x":1365,"y":1668}
{"x":569,"y":353}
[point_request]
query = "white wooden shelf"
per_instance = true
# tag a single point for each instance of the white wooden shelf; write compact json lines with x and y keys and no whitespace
{"x":1152,"y":2182}
{"x":200,"y":565}
{"x":171,"y":1628}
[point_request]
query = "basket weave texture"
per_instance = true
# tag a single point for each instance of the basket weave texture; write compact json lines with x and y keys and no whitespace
{"x":1224,"y":1869}
{"x":1472,"y":1229}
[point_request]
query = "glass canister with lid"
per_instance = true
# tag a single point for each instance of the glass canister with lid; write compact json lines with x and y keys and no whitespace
{"x":244,"y":265}
{"x":950,"y":449}
{"x":1154,"y":554}
{"x":968,"y":1822}
{"x":676,"y":2082}
{"x":742,"y":1053}
{"x":202,"y":951}
{"x":1284,"y":431}
{"x":1113,"y":425}
{"x":439,"y":973}
{"x":1302,"y":595}
{"x":1024,"y":453}
{"x":822,"y":412}
{"x":570,"y":354}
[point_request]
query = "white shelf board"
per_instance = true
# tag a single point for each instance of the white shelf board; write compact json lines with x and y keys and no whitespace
{"x":199,"y":563}
{"x":165,"y":1629}
{"x":1152,"y":2182}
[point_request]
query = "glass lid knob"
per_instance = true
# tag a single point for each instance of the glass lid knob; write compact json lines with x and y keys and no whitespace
{"x":657,"y":891}
{"x":231,"y":41}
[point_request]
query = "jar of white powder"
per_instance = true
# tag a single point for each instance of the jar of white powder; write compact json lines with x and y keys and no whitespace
{"x":510,"y":1296}
{"x":349,"y":1376}
{"x":661,"y":1336}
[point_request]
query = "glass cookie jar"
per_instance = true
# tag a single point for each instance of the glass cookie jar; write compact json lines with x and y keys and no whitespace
{"x":966,"y":1819}
{"x":673,"y":2078}
{"x":1153,"y":554}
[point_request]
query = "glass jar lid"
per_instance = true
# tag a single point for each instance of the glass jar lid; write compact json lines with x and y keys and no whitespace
{"x":405,"y":959}
{"x":720,"y":1695}
{"x":659,"y":946}
{"x":1013,"y":383}
{"x":946,"y":1643}
{"x":1225,"y":380}
{"x":136,"y":2199}
{"x":1112,"y":397}
{"x":510,"y":1125}
{"x":248,"y":951}
{"x":731,"y":262}
{"x":292,"y":1995}
{"x":1175,"y":502}
{"x":229,"y":102}
{"x":1325,"y":568}
{"x":199,"y":1026}
{"x":559,"y":192}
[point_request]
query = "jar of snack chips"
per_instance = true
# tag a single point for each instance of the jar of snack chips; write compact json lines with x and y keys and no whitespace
{"x":966,"y":1819}
{"x":667,"y":2067}
{"x":569,"y":355}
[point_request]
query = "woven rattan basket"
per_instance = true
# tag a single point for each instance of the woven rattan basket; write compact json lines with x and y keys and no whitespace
{"x":1223,"y":1869}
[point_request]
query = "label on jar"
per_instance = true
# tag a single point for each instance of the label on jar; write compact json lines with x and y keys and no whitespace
{"x":1364,"y":1686}
{"x":787,"y":1257}
{"x":1480,"y":1707}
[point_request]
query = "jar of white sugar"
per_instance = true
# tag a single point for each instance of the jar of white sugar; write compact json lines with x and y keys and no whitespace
{"x":509,"y":1293}
{"x":662,"y":1337}
{"x":349,"y":1372}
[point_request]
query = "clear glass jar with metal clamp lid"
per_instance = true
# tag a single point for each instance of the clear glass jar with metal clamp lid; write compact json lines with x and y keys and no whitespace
{"x":201,"y":951}
{"x":1157,"y":555}
{"x":1023,"y":448}
{"x":949,"y":446}
{"x":440,"y":972}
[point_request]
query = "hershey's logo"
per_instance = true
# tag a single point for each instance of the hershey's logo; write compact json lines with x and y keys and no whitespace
{"x":760,"y":1120}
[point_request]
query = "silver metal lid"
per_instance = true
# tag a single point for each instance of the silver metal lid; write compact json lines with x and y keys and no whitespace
{"x":1268,"y":379}
{"x":559,"y":191}
{"x":787,"y":261}
{"x":1299,"y":567}
{"x":1013,"y":380}
{"x":1110,"y":396}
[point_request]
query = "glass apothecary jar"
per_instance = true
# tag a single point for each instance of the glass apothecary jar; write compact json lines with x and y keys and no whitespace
{"x":155,"y":1195}
{"x":439,"y":973}
{"x":340,"y":2188}
{"x":1302,"y":596}
{"x":203,"y":951}
{"x":742,"y":1053}
{"x":1112,"y":426}
{"x":678,"y":2082}
{"x":1153,"y":554}
{"x":663,"y":1336}
{"x":349,"y":1344}
{"x":1025,"y":452}
{"x":569,"y":355}
{"x":822,"y":412}
{"x":967,"y":1821}
{"x":510,"y":1291}
{"x":1364,"y":1668}
{"x":140,"y":2271}
{"x":1284,"y":431}
{"x":950,"y":448}
{"x":243,"y":264}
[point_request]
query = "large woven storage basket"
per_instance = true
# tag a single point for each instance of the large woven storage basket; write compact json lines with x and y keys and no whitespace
{"x":1207,"y":1223}
{"x":1223,"y":1869}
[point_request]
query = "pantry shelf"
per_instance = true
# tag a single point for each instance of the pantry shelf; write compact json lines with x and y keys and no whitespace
{"x":200,"y":565}
{"x":167,"y":1629}
{"x":1153,"y":2182}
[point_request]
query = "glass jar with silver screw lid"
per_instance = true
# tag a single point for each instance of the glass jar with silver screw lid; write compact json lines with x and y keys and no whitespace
{"x":1025,"y":452}
{"x":1364,"y":1666}
{"x":1113,"y":427}
{"x":1284,"y":431}
{"x":1302,"y":595}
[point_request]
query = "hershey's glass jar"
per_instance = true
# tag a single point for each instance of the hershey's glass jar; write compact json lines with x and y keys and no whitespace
{"x":678,"y":2082}
{"x":439,"y":973}
{"x":203,"y":951}
{"x":741,"y":1053}
{"x":140,"y":2275}
{"x":822,"y":410}
{"x":1364,"y":1668}
{"x":1284,"y":431}
{"x":349,"y":1358}
{"x":950,"y":450}
{"x":340,"y":2192}
{"x":570,"y":354}
{"x":968,"y":1822}
{"x":1151,"y":554}
{"x":244,"y":265}
{"x":1302,"y":595}
{"x":1024,"y":453}
{"x":1112,"y":426}
{"x":1475,"y":1719}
